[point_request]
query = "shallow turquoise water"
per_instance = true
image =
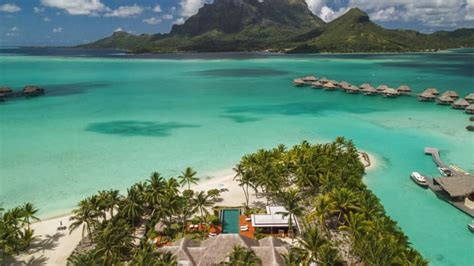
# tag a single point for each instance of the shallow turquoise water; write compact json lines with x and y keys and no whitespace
{"x":107,"y":123}
{"x":230,"y":221}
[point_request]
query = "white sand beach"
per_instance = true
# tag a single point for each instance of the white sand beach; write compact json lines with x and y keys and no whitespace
{"x":53,"y":247}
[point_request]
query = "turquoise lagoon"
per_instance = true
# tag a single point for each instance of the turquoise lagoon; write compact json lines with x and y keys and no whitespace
{"x":109,"y":122}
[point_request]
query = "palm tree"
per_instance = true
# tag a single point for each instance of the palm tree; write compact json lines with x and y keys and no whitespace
{"x":323,"y":208}
{"x":242,"y":257}
{"x":292,"y":258}
{"x":245,"y":181}
{"x":114,"y":243}
{"x":311,"y":240}
{"x":131,"y":207}
{"x":187,"y":177}
{"x":155,"y":188}
{"x":289,"y":201}
{"x":200,"y":202}
{"x":329,"y":256}
{"x":113,"y":200}
{"x":166,"y":259}
{"x":344,"y":200}
{"x":357,"y":225}
{"x":29,"y":212}
{"x":83,"y":215}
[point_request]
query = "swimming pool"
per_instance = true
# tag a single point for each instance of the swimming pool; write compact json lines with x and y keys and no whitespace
{"x":230,"y":221}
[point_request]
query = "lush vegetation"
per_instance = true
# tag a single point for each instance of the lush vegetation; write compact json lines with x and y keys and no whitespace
{"x":322,"y":185}
{"x":15,"y":232}
{"x":281,"y":25}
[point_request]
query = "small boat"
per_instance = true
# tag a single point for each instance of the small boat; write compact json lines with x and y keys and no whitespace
{"x":471,"y":227}
{"x":445,"y":171}
{"x":419,"y":179}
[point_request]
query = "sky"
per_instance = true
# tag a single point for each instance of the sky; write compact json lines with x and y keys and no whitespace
{"x":70,"y":22}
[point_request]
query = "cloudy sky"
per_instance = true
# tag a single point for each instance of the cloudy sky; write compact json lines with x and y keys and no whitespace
{"x":67,"y":22}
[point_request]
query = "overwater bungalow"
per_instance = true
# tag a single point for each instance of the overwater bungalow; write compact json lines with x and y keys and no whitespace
{"x":382,"y":87}
{"x":390,"y":93}
{"x":317,"y":85}
{"x":451,"y":94}
{"x":460,"y":104}
{"x":404,"y":89}
{"x":432,"y":91}
{"x":444,"y":100}
{"x":457,"y":190}
{"x":368,"y":90}
{"x":324,"y":80}
{"x":299,"y":82}
{"x":470,"y":97}
{"x":470,"y":109}
{"x":353,"y":89}
{"x":309,"y":79}
{"x":426,"y":97}
{"x":344,"y":85}
{"x":5,"y":90}
{"x":337,"y":84}
{"x":329,"y":86}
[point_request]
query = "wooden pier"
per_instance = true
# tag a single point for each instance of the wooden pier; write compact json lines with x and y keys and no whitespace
{"x":457,"y":190}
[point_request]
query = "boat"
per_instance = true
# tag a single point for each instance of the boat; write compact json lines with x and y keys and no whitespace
{"x":445,"y":171}
{"x":419,"y":179}
{"x":471,"y":227}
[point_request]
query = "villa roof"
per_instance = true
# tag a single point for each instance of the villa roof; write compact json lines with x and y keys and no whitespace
{"x":432,"y":91}
{"x":470,"y":97}
{"x":457,"y":186}
{"x":272,"y":218}
{"x":344,"y":84}
{"x":445,"y":98}
{"x":329,"y":85}
{"x":365,"y":85}
{"x":390,"y":91}
{"x":470,"y":107}
{"x":461,"y":102}
{"x":213,"y":251}
{"x":298,"y":80}
{"x":427,"y":94}
{"x":404,"y":88}
{"x":450,"y":94}
{"x":309,"y":78}
{"x":382,"y":87}
{"x":316,"y":83}
{"x":323,"y":79}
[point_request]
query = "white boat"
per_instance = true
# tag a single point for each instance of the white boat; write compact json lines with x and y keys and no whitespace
{"x":445,"y":171}
{"x":470,"y":227}
{"x":419,"y":179}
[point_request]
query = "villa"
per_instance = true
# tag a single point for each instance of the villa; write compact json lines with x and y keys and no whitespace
{"x":273,"y":221}
{"x":213,"y":251}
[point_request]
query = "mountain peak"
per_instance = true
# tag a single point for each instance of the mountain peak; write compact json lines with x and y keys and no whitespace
{"x":355,"y":14}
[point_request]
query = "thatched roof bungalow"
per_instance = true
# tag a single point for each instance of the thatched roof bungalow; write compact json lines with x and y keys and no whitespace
{"x":382,"y":87}
{"x":31,"y":90}
{"x":330,"y":86}
{"x":470,"y":97}
{"x":344,"y":85}
{"x":299,"y":82}
{"x":404,"y":89}
{"x":214,"y":251}
{"x":444,"y":100}
{"x":317,"y":85}
{"x":324,"y":80}
{"x":353,"y":89}
{"x":451,"y":94}
{"x":460,"y":104}
{"x":390,"y":93}
{"x":368,"y":90}
{"x":5,"y":91}
{"x":426,"y":97}
{"x":309,"y":79}
{"x":470,"y":109}
{"x":432,"y":91}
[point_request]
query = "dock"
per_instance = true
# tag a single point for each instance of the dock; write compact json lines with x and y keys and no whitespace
{"x":457,"y":190}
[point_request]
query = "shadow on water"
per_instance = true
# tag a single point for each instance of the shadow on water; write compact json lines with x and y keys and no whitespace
{"x":242,"y":72}
{"x":298,"y":108}
{"x":137,"y":128}
{"x":241,"y":118}
{"x":72,"y":88}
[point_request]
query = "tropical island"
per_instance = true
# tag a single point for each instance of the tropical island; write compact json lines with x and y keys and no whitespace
{"x":297,"y":206}
{"x":281,"y":26}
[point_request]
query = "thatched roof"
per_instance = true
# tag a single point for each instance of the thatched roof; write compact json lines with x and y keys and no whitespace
{"x":329,"y":85}
{"x":365,"y":85}
{"x":382,"y":87}
{"x":445,"y":98}
{"x":5,"y":90}
{"x":461,"y":102}
{"x":352,"y":88}
{"x":213,"y":251}
{"x":344,"y":84}
{"x":469,"y":97}
{"x":432,"y":91}
{"x":367,"y":88}
{"x":457,"y":186}
{"x":451,"y":94}
{"x":470,"y":107}
{"x":323,"y":80}
{"x":404,"y":88}
{"x":298,"y":81}
{"x":390,"y":91}
{"x":309,"y":78}
{"x":316,"y":84}
{"x":427,"y":94}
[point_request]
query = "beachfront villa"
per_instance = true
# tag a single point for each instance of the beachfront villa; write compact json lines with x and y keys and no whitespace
{"x":273,"y":221}
{"x":214,"y":251}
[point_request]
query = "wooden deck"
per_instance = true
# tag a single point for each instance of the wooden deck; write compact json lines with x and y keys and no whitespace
{"x":434,"y":152}
{"x":251,"y":231}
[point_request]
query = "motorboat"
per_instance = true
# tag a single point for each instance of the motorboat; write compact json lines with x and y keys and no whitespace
{"x":471,"y":227}
{"x":445,"y":171}
{"x":419,"y":179}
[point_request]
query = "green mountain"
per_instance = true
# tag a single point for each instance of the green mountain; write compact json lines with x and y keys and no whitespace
{"x":281,"y":25}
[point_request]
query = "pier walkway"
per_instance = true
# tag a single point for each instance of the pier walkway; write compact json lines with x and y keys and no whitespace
{"x":436,"y":158}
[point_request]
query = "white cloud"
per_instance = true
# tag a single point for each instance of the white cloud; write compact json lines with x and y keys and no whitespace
{"x":58,"y":30}
{"x":118,"y":29}
{"x":38,"y":9}
{"x":14,"y":29}
{"x":9,"y":8}
{"x":167,"y":16}
{"x":157,"y":9}
{"x":46,"y":19}
{"x":126,"y":11}
{"x":322,"y":10}
{"x":77,"y":7}
{"x":387,"y":14}
{"x":191,"y":7}
{"x":179,"y":21}
{"x":152,"y":21}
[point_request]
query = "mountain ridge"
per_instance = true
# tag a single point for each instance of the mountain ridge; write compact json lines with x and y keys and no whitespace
{"x":281,"y":26}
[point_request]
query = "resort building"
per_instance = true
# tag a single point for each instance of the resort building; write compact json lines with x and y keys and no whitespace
{"x":309,"y":79}
{"x":426,"y":96}
{"x":460,"y":104}
{"x":432,"y":91}
{"x":444,"y":100}
{"x":344,"y":85}
{"x":470,"y":109}
{"x":317,"y":85}
{"x":353,"y":89}
{"x":330,"y":86}
{"x":404,"y":89}
{"x":368,"y":90}
{"x":381,"y":88}
{"x":457,"y":190}
{"x":451,"y":94}
{"x":299,"y":82}
{"x":470,"y":97}
{"x":214,"y":251}
{"x":273,"y":222}
{"x":390,"y":93}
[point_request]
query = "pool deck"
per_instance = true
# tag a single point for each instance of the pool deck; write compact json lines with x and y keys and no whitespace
{"x":251,"y":231}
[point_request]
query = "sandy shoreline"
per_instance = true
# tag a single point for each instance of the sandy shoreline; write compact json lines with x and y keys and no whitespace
{"x":53,"y":247}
